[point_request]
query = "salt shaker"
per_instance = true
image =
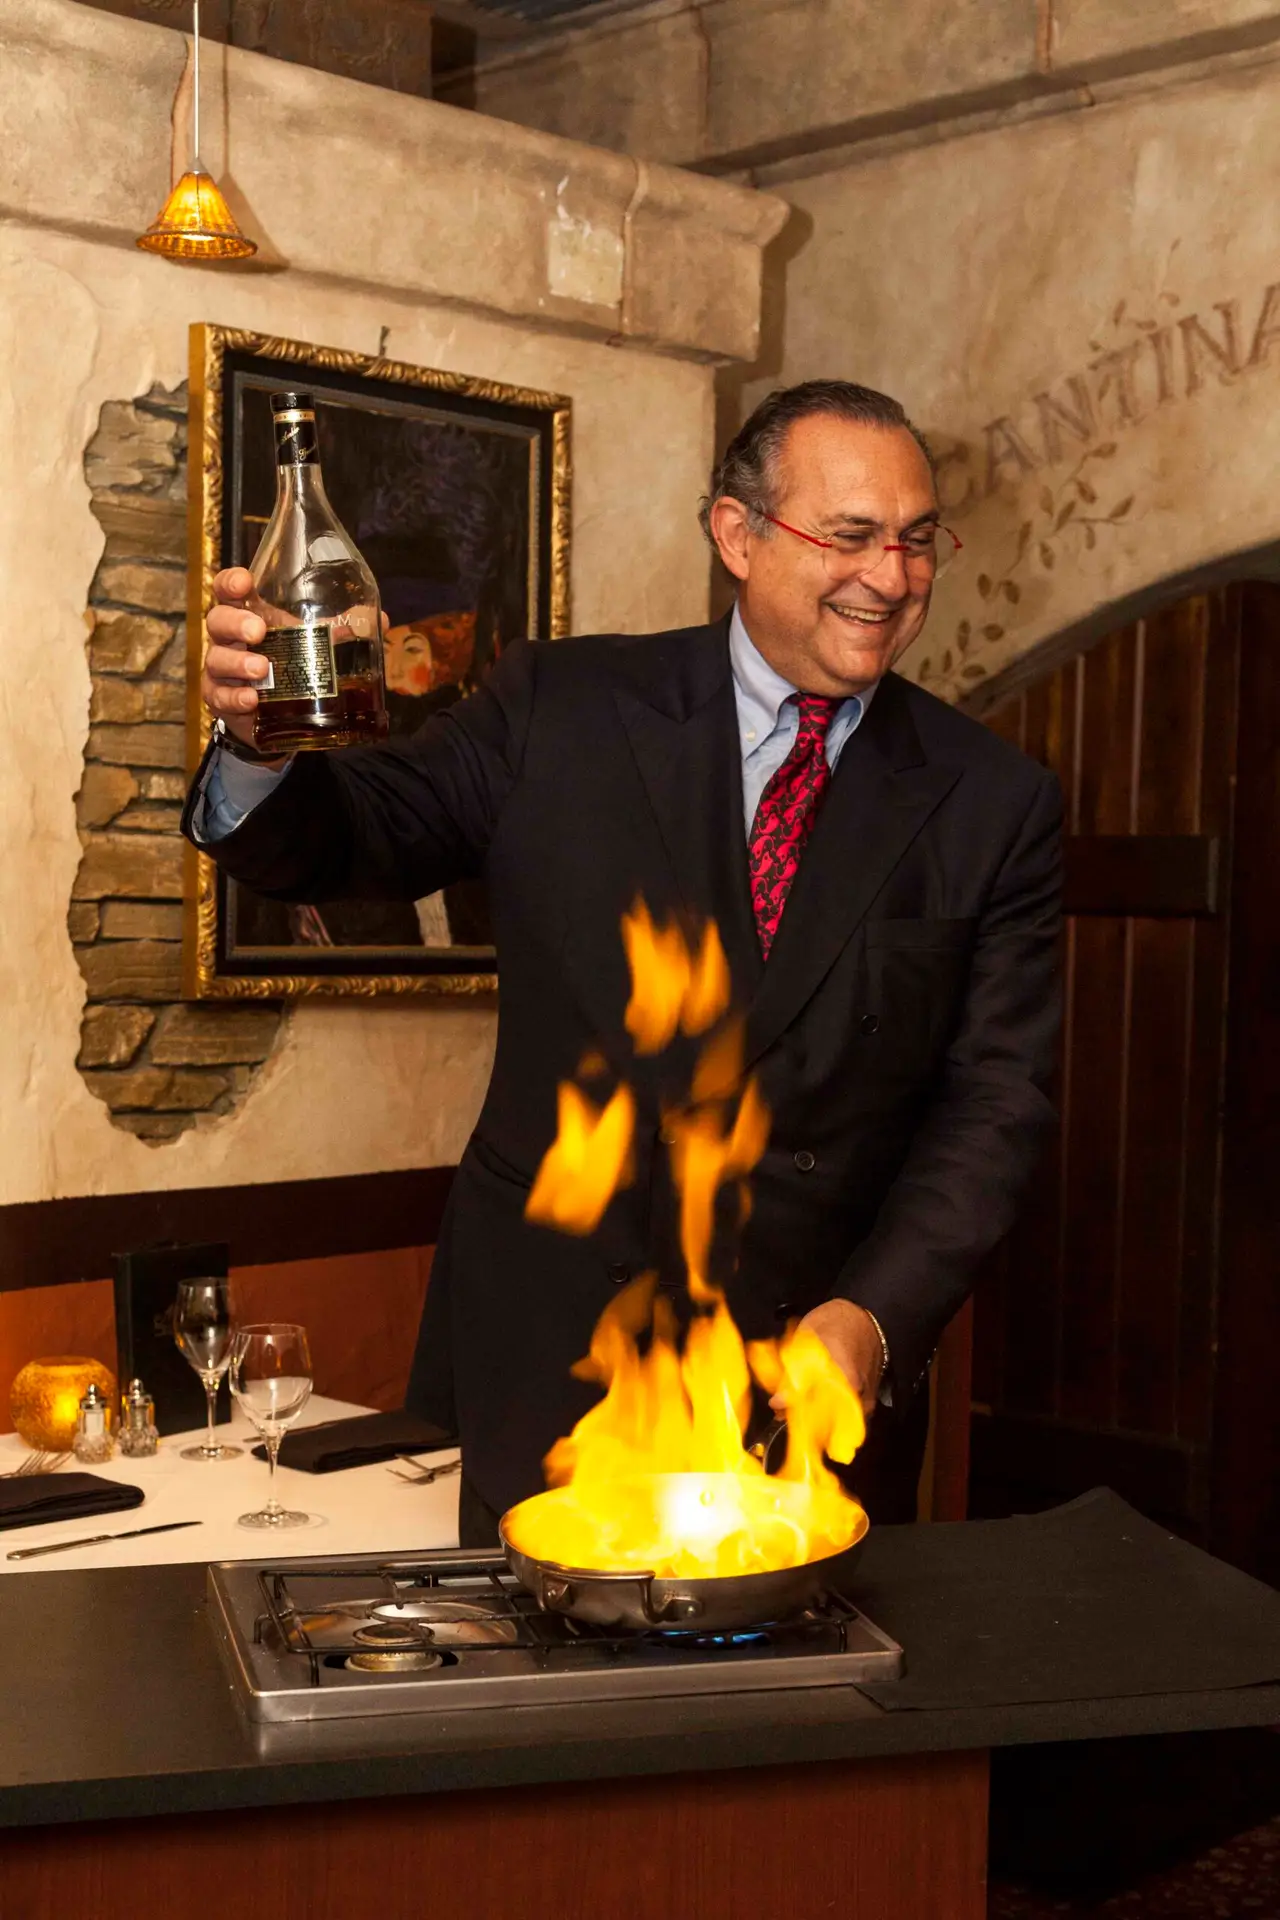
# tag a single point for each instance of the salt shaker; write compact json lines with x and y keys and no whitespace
{"x":93,"y":1442}
{"x":138,"y":1434}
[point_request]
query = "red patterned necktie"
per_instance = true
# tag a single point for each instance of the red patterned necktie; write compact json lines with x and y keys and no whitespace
{"x":786,"y":813}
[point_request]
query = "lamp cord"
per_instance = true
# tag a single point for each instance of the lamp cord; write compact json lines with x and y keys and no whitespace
{"x":195,"y":81}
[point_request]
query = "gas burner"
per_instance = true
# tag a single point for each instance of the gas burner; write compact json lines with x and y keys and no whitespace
{"x":395,"y":1661}
{"x":390,"y":1636}
{"x":716,"y":1642}
{"x":449,"y":1629}
{"x":454,"y":1623}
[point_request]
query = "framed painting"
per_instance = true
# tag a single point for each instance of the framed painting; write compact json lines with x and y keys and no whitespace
{"x":456,"y":491}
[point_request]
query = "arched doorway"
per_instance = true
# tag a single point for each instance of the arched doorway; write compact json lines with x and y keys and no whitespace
{"x":1128,"y":1332}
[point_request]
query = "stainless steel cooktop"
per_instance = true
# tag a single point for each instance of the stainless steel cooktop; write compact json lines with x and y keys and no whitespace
{"x":369,"y":1634}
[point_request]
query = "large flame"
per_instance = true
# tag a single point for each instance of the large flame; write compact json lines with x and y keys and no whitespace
{"x":656,"y":1475}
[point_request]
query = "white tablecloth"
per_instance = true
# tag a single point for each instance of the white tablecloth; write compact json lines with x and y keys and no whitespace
{"x":361,"y":1510}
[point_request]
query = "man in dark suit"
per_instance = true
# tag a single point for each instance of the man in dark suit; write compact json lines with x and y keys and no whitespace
{"x":885,"y":876}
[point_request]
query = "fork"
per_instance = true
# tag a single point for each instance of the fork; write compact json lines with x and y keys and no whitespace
{"x":36,"y":1462}
{"x":422,"y":1476}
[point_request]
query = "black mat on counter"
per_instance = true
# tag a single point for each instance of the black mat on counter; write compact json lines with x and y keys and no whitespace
{"x":359,"y":1440}
{"x":1088,"y":1601}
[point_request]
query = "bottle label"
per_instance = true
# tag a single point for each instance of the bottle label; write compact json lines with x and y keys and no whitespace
{"x":296,"y":443}
{"x":301,"y":663}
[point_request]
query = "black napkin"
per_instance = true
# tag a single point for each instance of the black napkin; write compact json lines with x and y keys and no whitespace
{"x":32,"y":1498}
{"x":359,"y":1441}
{"x":1088,"y":1601}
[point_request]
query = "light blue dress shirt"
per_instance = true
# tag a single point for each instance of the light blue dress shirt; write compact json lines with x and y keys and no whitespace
{"x":768,"y":720}
{"x":767,"y":727}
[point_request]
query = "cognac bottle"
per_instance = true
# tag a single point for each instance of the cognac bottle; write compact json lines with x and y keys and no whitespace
{"x":320,"y":603}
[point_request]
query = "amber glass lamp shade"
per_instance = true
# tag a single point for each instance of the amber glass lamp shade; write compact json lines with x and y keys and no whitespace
{"x":45,"y":1399}
{"x":195,"y":223}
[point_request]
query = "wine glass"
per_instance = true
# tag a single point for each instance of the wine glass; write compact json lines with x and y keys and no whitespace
{"x":271,"y":1380}
{"x":203,"y":1329}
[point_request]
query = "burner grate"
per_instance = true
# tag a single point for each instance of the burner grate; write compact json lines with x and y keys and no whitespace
{"x":528,"y":1630}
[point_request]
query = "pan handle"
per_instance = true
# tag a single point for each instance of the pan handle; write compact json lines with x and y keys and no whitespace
{"x":560,"y":1589}
{"x":771,"y":1447}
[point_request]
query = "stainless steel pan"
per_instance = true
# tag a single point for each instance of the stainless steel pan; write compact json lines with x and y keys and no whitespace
{"x":646,"y":1600}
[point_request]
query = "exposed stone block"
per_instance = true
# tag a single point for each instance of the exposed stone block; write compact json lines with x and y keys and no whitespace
{"x":127,"y":642}
{"x":157,"y":1089}
{"x":141,"y":527}
{"x":154,"y":1128}
{"x":131,"y":449}
{"x":131,"y":583}
{"x":141,"y":746}
{"x":144,"y":970}
{"x":164,"y":700}
{"x":174,"y":664}
{"x":150,"y":820}
{"x":116,"y":700}
{"x":163,"y":786}
{"x":111,"y":1036}
{"x":214,"y":1036}
{"x":139,"y":866}
{"x":140,"y":920}
{"x":104,"y":792}
{"x":83,"y":920}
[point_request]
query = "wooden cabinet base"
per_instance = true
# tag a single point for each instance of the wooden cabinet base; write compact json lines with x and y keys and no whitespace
{"x":866,"y":1840}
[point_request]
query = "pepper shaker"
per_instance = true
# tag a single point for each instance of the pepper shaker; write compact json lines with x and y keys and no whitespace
{"x":93,"y":1442}
{"x":138,"y":1434}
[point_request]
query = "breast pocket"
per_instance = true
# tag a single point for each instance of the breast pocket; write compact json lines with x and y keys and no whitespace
{"x":916,"y":976}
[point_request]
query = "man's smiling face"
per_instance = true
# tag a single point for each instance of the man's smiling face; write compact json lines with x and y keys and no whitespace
{"x":828,"y":623}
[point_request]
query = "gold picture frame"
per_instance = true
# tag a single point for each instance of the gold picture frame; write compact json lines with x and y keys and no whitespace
{"x":226,"y":364}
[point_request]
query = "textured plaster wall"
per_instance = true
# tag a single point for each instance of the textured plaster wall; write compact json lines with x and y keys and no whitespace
{"x":85,"y":320}
{"x":1084,"y":314}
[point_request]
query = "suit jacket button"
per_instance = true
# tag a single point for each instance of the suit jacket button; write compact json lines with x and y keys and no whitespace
{"x":618,"y":1272}
{"x":869,"y":1024}
{"x":805,"y":1161}
{"x":784,"y":1311}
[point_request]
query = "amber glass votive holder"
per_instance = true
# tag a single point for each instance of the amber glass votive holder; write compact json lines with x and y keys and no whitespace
{"x":44,"y":1400}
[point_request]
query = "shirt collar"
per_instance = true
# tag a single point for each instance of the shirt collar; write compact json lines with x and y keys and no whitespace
{"x":761,"y":689}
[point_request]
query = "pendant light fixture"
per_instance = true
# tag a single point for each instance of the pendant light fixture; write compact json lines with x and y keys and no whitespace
{"x":195,"y":222}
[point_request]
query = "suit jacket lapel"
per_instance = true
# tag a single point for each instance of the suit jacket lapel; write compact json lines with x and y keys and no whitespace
{"x":681,"y":722}
{"x":883,"y":792}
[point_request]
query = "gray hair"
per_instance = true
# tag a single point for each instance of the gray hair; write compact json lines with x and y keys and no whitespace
{"x":747,"y":471}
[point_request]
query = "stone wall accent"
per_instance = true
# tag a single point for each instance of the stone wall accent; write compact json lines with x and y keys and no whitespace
{"x":156,"y":1062}
{"x":384,"y":42}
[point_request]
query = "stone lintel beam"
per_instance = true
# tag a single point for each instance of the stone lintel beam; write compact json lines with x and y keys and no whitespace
{"x":354,"y":184}
{"x":760,"y":87}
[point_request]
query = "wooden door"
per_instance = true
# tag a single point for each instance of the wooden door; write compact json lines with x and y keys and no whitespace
{"x":1097,"y":1324}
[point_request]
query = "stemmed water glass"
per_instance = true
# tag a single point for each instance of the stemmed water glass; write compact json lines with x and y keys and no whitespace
{"x":204,"y":1329}
{"x":271,"y":1380}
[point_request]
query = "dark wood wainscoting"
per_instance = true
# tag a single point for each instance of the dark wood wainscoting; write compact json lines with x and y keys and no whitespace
{"x":1097,"y":1353}
{"x":349,"y":1257}
{"x":46,"y":1243}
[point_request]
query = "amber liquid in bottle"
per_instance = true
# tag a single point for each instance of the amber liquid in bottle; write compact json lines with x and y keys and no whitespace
{"x":320,"y":603}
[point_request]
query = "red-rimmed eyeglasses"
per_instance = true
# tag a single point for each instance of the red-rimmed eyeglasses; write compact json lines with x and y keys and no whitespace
{"x":928,"y":549}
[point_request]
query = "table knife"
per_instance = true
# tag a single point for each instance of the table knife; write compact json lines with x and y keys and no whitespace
{"x":95,"y":1539}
